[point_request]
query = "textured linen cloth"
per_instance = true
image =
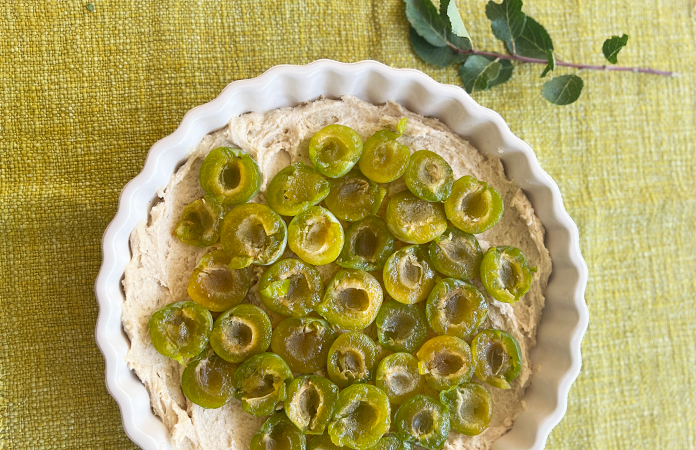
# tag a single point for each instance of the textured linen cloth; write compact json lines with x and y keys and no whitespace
{"x":85,"y":94}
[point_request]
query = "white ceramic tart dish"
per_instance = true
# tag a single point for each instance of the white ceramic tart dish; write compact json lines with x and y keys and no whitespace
{"x":556,"y":356}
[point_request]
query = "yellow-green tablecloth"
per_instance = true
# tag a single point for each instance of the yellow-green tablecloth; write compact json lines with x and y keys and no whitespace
{"x":85,"y":94}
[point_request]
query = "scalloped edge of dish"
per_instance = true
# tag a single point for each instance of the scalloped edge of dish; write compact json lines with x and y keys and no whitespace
{"x":564,"y":318}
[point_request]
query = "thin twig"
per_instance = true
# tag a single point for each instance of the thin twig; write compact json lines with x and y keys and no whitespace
{"x":566,"y":64}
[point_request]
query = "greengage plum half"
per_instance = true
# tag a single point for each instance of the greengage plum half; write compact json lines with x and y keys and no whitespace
{"x":335,"y":149}
{"x":368,"y":244}
{"x":296,"y":188}
{"x":383,"y":158}
{"x":303,"y":343}
{"x":180,"y":330}
{"x":240,"y":333}
{"x":253,"y":233}
{"x":311,"y":403}
{"x":352,"y":299}
{"x":291,"y":287}
{"x":413,"y":220}
{"x":316,"y":236}
{"x":230,"y":175}
{"x":361,"y":418}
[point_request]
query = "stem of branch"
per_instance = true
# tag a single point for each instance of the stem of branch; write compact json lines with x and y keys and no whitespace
{"x":525,"y":59}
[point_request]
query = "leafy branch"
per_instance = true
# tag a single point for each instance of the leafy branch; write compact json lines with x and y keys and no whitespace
{"x":440,"y":38}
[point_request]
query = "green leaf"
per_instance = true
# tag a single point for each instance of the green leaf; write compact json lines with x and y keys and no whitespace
{"x":563,"y":90}
{"x":454,"y":26}
{"x":550,"y":65}
{"x":612,"y":46}
{"x":477,"y":72}
{"x":438,"y":56}
{"x":507,"y":19}
{"x":534,"y":42}
{"x":504,"y":74}
{"x":425,"y":19}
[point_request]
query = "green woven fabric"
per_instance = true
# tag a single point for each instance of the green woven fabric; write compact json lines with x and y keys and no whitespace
{"x":85,"y":94}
